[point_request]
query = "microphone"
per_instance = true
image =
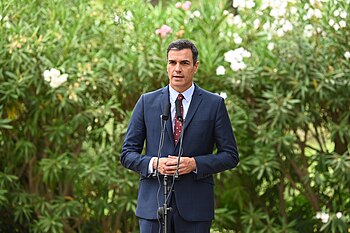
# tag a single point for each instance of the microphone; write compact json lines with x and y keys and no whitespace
{"x":166,"y":112}
{"x":178,"y":111}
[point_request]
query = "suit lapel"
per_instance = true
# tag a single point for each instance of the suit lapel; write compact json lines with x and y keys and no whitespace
{"x":164,"y":99}
{"x":195,"y":102}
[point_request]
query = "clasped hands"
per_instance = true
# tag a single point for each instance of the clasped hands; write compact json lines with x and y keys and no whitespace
{"x":168,"y":165}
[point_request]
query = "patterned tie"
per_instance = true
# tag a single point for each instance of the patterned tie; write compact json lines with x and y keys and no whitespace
{"x":178,"y":124}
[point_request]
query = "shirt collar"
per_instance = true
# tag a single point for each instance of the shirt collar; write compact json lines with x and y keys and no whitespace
{"x":187,"y":94}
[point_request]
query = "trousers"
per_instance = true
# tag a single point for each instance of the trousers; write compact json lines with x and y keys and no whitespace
{"x":176,"y":224}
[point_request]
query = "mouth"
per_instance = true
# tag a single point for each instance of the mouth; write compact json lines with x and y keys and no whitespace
{"x":177,"y":76}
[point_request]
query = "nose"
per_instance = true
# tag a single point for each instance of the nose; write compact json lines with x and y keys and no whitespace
{"x":178,"y":68}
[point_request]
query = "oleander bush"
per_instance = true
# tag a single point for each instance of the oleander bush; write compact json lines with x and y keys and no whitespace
{"x":71,"y":72}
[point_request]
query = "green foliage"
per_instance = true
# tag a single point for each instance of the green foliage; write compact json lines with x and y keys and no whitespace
{"x":71,"y":72}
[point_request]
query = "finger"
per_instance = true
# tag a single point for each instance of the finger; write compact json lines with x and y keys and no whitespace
{"x":172,"y":162}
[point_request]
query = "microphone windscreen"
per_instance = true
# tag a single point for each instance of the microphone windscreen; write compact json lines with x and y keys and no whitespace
{"x":178,"y":110}
{"x":166,"y":112}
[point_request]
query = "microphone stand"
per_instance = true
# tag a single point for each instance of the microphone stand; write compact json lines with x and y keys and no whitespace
{"x":163,"y":211}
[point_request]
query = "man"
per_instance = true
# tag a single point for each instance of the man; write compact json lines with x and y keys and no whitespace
{"x":206,"y":125}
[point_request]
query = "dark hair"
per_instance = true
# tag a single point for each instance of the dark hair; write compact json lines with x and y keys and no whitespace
{"x":184,"y":44}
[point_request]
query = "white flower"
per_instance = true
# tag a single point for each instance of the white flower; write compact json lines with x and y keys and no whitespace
{"x":243,"y":3}
{"x":338,"y":214}
{"x":293,"y":10}
{"x":47,"y":76}
{"x":230,"y":19}
{"x":347,"y":55}
{"x":237,"y":20}
{"x":197,"y":13}
{"x":310,"y":13}
{"x":287,"y":26}
{"x":336,"y":27}
{"x":223,"y":95}
{"x":271,"y":46}
{"x":267,"y":26}
{"x":128,"y":15}
{"x":308,"y":30}
{"x":246,"y":53}
{"x":54,"y":73}
{"x":279,"y":9}
{"x":6,"y":20}
{"x":256,"y":23}
{"x":250,"y":4}
{"x":323,"y":216}
{"x":116,"y":19}
{"x":235,"y":66}
{"x":343,"y":14}
{"x":331,"y":22}
{"x":226,"y":12}
{"x":234,"y":20}
{"x":318,"y":13}
{"x":237,"y":39}
{"x":336,"y":13}
{"x":342,"y":24}
{"x":220,"y":70}
{"x":56,"y":82}
{"x":235,"y":57}
{"x":230,"y":56}
{"x":280,"y":32}
{"x":54,"y":77}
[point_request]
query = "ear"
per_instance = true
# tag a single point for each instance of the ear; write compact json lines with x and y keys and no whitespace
{"x":196,"y":67}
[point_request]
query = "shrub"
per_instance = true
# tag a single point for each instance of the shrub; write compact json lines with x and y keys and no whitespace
{"x":71,"y":72}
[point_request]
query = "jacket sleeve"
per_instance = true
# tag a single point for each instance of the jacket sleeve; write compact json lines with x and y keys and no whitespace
{"x":131,"y":157}
{"x":227,"y":152}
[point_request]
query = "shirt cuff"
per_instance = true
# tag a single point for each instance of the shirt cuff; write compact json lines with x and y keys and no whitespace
{"x":150,"y":165}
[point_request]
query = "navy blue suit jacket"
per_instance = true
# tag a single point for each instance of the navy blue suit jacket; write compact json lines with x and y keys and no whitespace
{"x":207,"y":126}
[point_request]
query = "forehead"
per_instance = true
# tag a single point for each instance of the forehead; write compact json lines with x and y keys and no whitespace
{"x":180,"y":55}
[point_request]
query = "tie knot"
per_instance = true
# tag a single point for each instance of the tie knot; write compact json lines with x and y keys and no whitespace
{"x":180,"y":97}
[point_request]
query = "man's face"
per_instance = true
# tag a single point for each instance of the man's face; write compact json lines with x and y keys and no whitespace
{"x":181,"y":69}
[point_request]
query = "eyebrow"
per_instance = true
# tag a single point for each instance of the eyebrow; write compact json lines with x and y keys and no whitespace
{"x":182,"y":61}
